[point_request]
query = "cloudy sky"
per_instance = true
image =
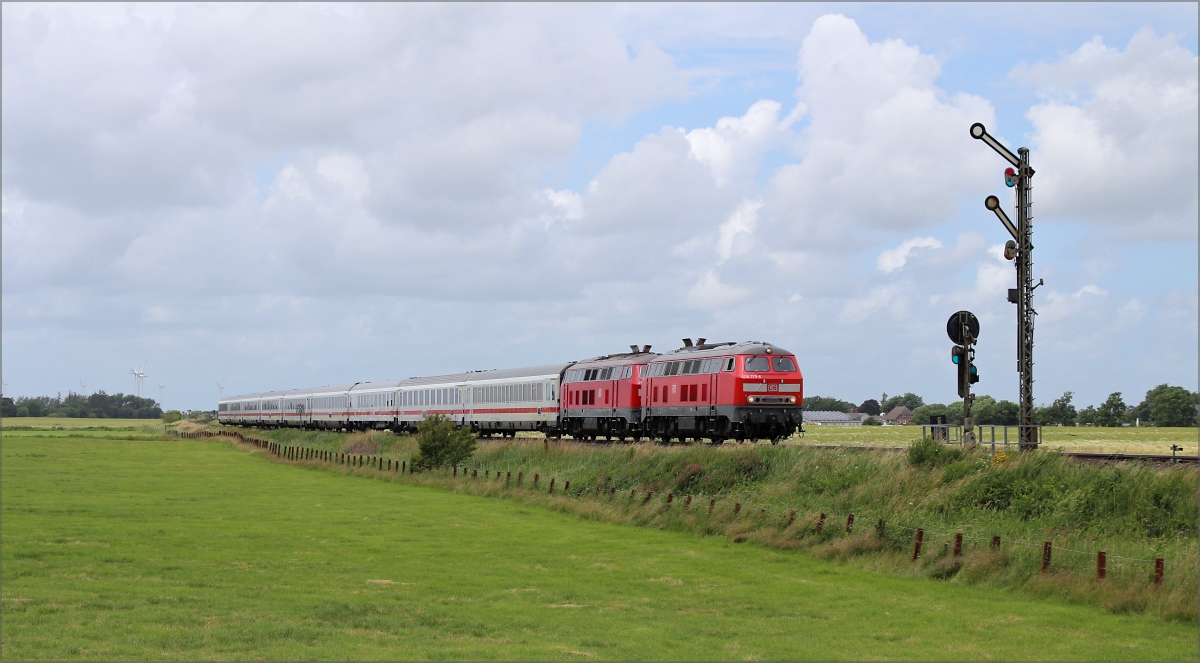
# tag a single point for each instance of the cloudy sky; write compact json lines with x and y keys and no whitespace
{"x":274,"y":196}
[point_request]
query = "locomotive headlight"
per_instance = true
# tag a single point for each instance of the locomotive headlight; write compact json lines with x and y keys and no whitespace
{"x":750,"y":399}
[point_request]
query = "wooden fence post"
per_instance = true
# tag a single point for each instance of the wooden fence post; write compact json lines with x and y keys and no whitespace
{"x":551,"y":483}
{"x":917,"y":546}
{"x":849,"y":523}
{"x":958,"y":544}
{"x":737,"y":507}
{"x":1045,"y":556}
{"x":1101,"y":565}
{"x":791,"y":518}
{"x":995,"y":543}
{"x":820,"y":523}
{"x":1158,"y":572}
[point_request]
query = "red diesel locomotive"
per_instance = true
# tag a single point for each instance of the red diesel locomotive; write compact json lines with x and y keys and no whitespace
{"x":719,"y":391}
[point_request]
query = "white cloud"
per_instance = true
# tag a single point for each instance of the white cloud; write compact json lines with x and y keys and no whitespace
{"x":740,"y":223}
{"x":1115,"y":140}
{"x":893,"y":259}
{"x":347,"y":171}
{"x":731,"y":148}
{"x":1090,"y":289}
{"x":884,"y":147}
{"x":566,"y":205}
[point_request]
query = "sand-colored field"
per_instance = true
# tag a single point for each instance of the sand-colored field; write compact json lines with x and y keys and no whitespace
{"x":51,"y":423}
{"x":1145,"y":440}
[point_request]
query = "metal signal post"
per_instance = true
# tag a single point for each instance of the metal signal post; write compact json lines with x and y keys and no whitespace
{"x":1021,"y":248}
{"x":963,"y":330}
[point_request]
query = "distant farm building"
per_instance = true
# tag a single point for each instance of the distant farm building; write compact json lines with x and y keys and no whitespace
{"x":899,"y":416}
{"x":827,"y":418}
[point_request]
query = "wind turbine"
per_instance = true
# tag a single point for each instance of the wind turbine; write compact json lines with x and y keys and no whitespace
{"x":139,"y":374}
{"x":222,"y":388}
{"x":161,"y":386}
{"x":82,"y":387}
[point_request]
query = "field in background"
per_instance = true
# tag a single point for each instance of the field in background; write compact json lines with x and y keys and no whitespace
{"x":1145,"y":440}
{"x":118,"y":549}
{"x":17,"y":423}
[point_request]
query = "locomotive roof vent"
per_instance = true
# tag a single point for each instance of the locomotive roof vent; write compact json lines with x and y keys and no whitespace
{"x":700,"y":341}
{"x":687,"y":342}
{"x":634,"y":348}
{"x":645,"y":348}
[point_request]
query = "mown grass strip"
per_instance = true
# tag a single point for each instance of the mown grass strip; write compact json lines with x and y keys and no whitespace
{"x":1134,"y":513}
{"x":195,"y":550}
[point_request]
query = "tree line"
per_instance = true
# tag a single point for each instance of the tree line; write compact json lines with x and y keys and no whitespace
{"x":96,"y":406}
{"x":1164,"y":405}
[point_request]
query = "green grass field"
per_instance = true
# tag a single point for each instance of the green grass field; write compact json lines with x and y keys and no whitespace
{"x":142,"y":549}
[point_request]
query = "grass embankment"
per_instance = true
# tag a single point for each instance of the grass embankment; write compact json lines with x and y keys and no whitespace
{"x":1135,"y":513}
{"x":191,"y":550}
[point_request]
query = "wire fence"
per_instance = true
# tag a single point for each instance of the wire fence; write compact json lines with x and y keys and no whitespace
{"x":821,"y":523}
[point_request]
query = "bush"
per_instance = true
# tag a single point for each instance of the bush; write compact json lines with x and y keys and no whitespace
{"x":171,"y":416}
{"x":441,"y":442}
{"x":933,"y":454}
{"x":872,"y":421}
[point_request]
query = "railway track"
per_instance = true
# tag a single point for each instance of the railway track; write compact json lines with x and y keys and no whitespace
{"x":1151,"y":458}
{"x":1087,"y":456}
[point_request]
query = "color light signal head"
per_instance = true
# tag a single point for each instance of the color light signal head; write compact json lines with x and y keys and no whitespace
{"x":1010,"y":177}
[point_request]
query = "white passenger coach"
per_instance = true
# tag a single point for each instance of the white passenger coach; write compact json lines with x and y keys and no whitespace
{"x":490,"y":402}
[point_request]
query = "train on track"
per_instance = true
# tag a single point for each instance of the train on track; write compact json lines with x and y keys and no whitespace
{"x":715,"y":391}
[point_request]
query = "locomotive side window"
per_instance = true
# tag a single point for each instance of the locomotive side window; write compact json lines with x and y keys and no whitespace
{"x":729,"y":364}
{"x":758,"y":364}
